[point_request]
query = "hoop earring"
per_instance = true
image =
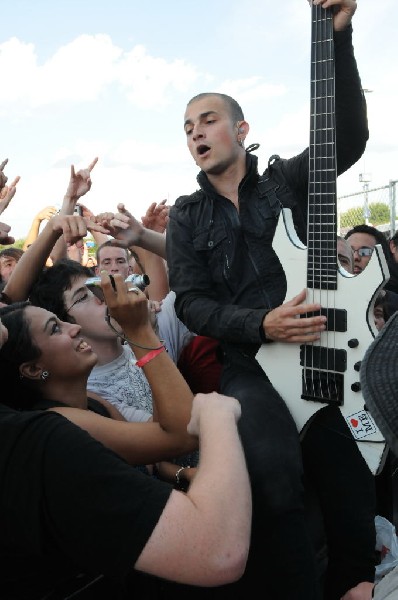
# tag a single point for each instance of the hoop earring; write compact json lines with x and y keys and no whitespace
{"x":44,"y":375}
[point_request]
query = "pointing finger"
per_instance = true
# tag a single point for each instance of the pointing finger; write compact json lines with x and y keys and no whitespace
{"x":92,"y":164}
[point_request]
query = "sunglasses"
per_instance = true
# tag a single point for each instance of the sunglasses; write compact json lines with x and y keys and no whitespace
{"x":364,"y":251}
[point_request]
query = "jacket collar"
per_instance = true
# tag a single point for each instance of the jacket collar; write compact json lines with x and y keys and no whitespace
{"x":251,"y":176}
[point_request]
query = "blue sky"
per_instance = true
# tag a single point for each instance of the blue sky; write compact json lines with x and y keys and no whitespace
{"x":112,"y":79}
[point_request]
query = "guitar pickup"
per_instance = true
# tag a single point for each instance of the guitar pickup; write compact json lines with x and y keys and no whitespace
{"x":336,"y":318}
{"x":323,"y":359}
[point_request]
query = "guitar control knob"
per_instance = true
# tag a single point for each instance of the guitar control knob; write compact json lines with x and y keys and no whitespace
{"x":356,"y":387}
{"x":357,"y":365}
{"x":354,"y":343}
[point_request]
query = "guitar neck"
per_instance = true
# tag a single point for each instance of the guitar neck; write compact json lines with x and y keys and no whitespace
{"x":322,"y":209}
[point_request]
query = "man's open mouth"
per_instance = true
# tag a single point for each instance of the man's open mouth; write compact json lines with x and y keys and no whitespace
{"x":202,"y":149}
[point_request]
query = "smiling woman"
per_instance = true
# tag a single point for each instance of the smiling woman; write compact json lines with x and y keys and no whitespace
{"x":56,"y":478}
{"x":39,"y":343}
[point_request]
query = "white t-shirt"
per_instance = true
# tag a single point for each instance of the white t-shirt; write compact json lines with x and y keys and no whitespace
{"x":171,"y":330}
{"x":124,"y":385}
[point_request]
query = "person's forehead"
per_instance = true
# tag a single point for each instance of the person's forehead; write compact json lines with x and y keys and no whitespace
{"x":78,"y":283}
{"x":38,"y":318}
{"x":203,"y":106}
{"x":7,"y":259}
{"x":112,"y":252}
{"x":362,"y":239}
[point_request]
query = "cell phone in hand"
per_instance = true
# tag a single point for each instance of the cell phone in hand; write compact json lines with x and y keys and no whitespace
{"x":78,"y":210}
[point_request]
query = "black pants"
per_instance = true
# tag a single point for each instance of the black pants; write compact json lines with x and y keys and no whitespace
{"x":281,"y":564}
{"x":346,"y":490}
{"x":281,"y":558}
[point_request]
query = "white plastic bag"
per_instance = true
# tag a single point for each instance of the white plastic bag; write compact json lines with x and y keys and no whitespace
{"x":387,"y":545}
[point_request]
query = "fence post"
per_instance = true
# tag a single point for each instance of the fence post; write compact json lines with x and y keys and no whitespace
{"x":392,"y":194}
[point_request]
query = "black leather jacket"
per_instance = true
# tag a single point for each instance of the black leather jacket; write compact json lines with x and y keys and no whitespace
{"x":222,"y":266}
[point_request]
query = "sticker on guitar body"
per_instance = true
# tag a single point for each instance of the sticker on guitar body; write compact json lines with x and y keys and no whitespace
{"x":361,"y":424}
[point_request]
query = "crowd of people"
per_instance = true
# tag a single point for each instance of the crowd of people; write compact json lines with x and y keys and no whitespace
{"x":145,"y":451}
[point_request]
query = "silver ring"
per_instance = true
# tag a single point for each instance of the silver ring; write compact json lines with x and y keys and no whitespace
{"x":134,"y":289}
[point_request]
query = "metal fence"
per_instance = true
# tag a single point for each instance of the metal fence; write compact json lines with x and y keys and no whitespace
{"x":366,"y":206}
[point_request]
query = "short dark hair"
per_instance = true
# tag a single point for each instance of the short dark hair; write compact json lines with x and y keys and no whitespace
{"x":11,"y":252}
{"x":234,"y":108}
{"x":48,"y":290}
{"x":394,"y":238}
{"x":377,"y":234}
{"x":115,"y":244}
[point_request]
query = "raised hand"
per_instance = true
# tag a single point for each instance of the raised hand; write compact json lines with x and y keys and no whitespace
{"x":74,"y":228}
{"x":3,"y":177}
{"x":122,"y":225}
{"x":80,"y":182}
{"x":120,"y":301}
{"x":156,"y":216}
{"x":7,"y":193}
{"x":211,"y":402}
{"x":46,"y":213}
{"x":4,"y":237}
{"x":343,"y":11}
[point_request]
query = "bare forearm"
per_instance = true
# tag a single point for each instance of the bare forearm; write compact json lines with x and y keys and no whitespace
{"x":153,"y":241}
{"x":211,"y":542}
{"x":30,"y":265}
{"x":155,"y":268}
{"x":171,"y":394}
{"x":32,"y":234}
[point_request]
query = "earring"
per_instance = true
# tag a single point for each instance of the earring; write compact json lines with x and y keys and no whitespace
{"x":44,"y":375}
{"x":241,"y":143}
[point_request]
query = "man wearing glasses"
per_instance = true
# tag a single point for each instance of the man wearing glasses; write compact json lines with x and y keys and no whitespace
{"x":363,"y":239}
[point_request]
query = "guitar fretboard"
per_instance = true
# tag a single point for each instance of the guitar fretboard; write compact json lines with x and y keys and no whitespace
{"x":322,"y":212}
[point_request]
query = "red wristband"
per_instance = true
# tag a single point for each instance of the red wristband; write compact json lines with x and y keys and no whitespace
{"x":145,"y":359}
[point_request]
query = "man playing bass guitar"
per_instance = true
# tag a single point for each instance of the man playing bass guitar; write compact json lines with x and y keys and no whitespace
{"x":230,"y":285}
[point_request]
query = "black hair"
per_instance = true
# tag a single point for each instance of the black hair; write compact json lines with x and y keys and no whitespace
{"x":234,"y":108}
{"x":12,"y":252}
{"x":378,"y":235}
{"x":48,"y":291}
{"x":394,"y":238}
{"x":19,"y":348}
{"x":388,"y":300}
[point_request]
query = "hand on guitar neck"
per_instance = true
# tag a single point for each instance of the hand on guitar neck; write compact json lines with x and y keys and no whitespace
{"x":286,"y":323}
{"x":344,"y":12}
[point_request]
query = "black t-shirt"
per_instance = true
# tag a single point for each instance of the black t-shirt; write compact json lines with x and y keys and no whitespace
{"x":67,"y":505}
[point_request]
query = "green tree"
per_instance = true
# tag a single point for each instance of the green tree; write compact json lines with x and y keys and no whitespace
{"x":16,"y":244}
{"x":379,"y":214}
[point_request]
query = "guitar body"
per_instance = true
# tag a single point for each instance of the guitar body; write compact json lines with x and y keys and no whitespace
{"x":284,"y":363}
{"x":312,"y":376}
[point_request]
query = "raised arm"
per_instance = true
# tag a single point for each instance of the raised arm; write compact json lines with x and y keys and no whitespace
{"x":44,"y":214}
{"x":73,"y":228}
{"x":123,"y":226}
{"x":198,"y":531}
{"x":79,"y":184}
{"x":150,"y":441}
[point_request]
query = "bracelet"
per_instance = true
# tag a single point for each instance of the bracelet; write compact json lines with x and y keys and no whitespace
{"x":123,"y":337}
{"x":180,"y":470}
{"x":148,"y":357}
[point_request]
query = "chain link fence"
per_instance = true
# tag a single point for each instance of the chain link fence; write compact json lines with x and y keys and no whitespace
{"x":375,"y":207}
